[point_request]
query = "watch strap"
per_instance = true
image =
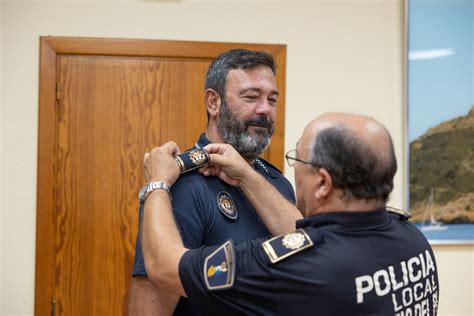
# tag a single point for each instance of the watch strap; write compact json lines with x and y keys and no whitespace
{"x":152,"y":186}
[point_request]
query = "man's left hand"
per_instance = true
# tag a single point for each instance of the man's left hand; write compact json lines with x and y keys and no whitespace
{"x":226,"y":163}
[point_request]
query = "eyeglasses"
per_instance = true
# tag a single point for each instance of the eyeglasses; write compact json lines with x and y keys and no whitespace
{"x":291,"y":158}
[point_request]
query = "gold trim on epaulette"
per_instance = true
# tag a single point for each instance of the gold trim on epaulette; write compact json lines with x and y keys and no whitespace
{"x":294,"y":242}
{"x":269,"y":250}
{"x":400,"y":212}
{"x":180,"y":162}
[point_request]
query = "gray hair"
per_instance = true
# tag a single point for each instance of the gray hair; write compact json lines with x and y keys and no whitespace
{"x":354,"y":166}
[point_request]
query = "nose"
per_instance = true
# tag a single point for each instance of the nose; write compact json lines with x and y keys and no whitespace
{"x":264,"y":108}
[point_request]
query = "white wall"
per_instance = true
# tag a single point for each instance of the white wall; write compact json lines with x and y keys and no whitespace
{"x":341,"y":56}
{"x":2,"y":255}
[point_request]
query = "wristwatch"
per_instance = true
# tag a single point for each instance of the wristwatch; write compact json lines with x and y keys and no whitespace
{"x":150,"y":187}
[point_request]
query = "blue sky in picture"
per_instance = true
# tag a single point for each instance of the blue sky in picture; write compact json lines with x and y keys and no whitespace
{"x":440,"y":62}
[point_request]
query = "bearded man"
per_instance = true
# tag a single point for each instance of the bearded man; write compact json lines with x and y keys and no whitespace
{"x":241,"y":98}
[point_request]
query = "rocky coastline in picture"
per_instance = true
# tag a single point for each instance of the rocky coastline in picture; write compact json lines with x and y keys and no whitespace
{"x":442,"y":172}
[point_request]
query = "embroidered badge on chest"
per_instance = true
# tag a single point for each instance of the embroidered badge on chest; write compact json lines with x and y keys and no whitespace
{"x":227,"y":205}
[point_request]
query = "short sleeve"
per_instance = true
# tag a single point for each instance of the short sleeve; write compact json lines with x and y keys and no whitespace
{"x":139,"y":262}
{"x":214,"y":282}
{"x":189,"y":210}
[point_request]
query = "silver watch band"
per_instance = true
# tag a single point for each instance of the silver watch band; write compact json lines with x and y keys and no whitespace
{"x":150,"y":187}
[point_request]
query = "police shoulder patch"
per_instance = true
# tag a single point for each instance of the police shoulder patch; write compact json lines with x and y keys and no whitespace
{"x":219,"y":267}
{"x":283,"y":246}
{"x":402,"y":213}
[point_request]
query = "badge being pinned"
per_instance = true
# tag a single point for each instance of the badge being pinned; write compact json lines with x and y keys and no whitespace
{"x":227,"y":205}
{"x":219,"y":267}
{"x":192,"y":159}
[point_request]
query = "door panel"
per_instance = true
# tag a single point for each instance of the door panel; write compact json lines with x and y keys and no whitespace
{"x":112,"y":110}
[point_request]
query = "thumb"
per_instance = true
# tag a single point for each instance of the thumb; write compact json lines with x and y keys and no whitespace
{"x":216,"y":148}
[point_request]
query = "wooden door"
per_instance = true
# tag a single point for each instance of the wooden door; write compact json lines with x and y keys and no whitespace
{"x":109,"y":107}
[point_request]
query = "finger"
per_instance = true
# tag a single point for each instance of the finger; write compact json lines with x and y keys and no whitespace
{"x":206,"y":173}
{"x":171,"y":147}
{"x":209,"y":170}
{"x":212,"y":172}
{"x":215,"y":148}
{"x":204,"y":168}
{"x":154,"y":150}
{"x":145,"y":156}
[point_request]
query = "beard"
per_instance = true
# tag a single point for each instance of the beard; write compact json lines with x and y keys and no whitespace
{"x":235,"y":132}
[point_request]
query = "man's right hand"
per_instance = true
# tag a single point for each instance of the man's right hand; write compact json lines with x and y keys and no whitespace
{"x":226,"y":163}
{"x":159,"y":164}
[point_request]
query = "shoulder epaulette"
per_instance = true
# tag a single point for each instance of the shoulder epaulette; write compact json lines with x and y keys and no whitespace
{"x":402,"y":213}
{"x":284,"y":246}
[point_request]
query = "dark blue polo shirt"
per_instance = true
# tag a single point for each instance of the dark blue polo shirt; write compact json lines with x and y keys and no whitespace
{"x":345,"y":263}
{"x":208,"y":212}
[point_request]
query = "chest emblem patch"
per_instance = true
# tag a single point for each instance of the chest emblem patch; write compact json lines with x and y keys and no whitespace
{"x":226,"y":205}
{"x":219,"y":267}
{"x":284,"y":246}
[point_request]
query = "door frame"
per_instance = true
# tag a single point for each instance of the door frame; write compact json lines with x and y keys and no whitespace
{"x":50,"y":48}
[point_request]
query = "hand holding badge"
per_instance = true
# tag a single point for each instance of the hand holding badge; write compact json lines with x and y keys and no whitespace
{"x":160,"y":172}
{"x":193,"y":159}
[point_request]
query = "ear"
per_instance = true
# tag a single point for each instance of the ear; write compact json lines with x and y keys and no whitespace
{"x":213,"y":102}
{"x":323,"y":186}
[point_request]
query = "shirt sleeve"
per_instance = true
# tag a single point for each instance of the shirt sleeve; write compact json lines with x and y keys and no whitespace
{"x":190,"y":215}
{"x":139,"y":262}
{"x":190,"y":208}
{"x":228,"y":277}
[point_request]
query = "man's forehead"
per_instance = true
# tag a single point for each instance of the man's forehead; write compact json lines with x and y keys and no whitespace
{"x":256,"y":89}
{"x":259,"y":80}
{"x":301,"y":142}
{"x":311,"y":130}
{"x":322,"y":125}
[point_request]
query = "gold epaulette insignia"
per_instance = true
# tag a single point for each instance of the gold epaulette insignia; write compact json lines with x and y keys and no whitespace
{"x":284,"y":246}
{"x":400,"y":212}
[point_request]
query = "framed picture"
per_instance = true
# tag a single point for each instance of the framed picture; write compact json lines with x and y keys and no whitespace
{"x":440,"y":87}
